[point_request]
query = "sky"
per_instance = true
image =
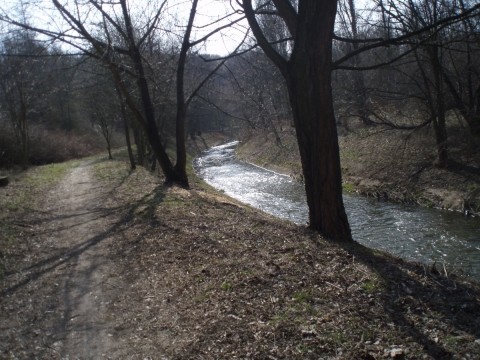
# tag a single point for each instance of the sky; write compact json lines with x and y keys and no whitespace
{"x":212,"y":10}
{"x":42,"y":14}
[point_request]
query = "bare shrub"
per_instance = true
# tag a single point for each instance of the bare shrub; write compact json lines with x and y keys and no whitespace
{"x":9,"y":153}
{"x":49,"y":146}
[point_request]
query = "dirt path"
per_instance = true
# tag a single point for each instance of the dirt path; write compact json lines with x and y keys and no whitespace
{"x":57,"y":301}
{"x":127,"y":268}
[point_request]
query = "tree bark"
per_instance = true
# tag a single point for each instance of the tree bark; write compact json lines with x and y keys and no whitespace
{"x":181,"y":163}
{"x":23,"y":128}
{"x":308,"y":78}
{"x":310,"y":90}
{"x":133,"y":166}
{"x":126,"y":129}
{"x":150,"y":125}
{"x":439,"y":120}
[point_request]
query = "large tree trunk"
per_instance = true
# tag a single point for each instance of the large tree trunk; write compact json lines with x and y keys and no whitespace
{"x":138,"y":137}
{"x":309,"y":84}
{"x":308,"y":76}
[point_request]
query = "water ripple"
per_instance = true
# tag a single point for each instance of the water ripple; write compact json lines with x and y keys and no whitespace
{"x":410,"y":232}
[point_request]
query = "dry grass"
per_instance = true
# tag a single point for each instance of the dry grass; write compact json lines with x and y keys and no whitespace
{"x":49,"y":146}
{"x":400,"y":166}
{"x":389,"y":164}
{"x":204,"y":277}
{"x":210,"y":278}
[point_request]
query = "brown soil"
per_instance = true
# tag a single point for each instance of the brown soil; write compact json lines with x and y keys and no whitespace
{"x":112,"y":264}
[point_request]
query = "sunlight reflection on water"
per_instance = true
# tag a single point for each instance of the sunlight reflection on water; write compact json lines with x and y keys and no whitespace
{"x":410,"y":232}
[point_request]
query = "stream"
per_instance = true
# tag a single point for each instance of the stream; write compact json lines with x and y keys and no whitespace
{"x":410,"y":232}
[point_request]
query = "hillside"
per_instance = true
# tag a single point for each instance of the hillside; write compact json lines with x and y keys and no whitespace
{"x":101,"y":262}
{"x":387,"y":164}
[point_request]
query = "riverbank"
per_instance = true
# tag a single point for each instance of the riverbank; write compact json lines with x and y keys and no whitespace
{"x":386,"y":164}
{"x":188,"y":274}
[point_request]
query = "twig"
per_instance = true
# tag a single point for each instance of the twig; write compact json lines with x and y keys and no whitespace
{"x":445,"y":270}
{"x":329,"y":283}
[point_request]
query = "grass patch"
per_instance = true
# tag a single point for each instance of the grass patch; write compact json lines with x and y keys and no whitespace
{"x":348,"y":154}
{"x":226,"y":286}
{"x":49,"y":175}
{"x":370,"y":286}
{"x":303,"y":297}
{"x":26,"y":187}
{"x":348,"y":187}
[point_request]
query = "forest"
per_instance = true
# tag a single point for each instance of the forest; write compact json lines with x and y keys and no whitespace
{"x":114,"y":245}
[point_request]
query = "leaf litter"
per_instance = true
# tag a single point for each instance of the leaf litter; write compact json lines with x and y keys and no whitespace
{"x":202,"y":276}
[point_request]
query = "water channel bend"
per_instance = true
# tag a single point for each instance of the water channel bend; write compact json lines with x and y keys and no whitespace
{"x":410,"y":232}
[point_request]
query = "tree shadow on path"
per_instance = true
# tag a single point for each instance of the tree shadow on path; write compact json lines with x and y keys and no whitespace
{"x":43,"y":266}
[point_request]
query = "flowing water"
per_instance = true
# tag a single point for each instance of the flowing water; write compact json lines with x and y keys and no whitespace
{"x":410,"y":232}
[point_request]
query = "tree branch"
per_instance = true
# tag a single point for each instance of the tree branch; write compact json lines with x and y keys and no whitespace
{"x":437,"y":26}
{"x":271,"y":53}
{"x":204,"y":81}
{"x":196,"y":42}
{"x":288,"y":13}
{"x":153,"y":24}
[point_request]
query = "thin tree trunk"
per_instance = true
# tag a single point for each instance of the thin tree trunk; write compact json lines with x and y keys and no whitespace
{"x":126,"y":129}
{"x":133,"y":166}
{"x":151,"y":129}
{"x":361,"y":97}
{"x":109,"y":146}
{"x":439,"y":122}
{"x":139,"y":138}
{"x":470,"y":111}
{"x":181,"y":164}
{"x":24,"y":131}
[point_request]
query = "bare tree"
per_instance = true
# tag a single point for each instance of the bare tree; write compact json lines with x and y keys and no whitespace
{"x":100,"y":105}
{"x":120,"y":45}
{"x":462,"y":76}
{"x":431,"y":71}
{"x":307,"y":72}
{"x":355,"y":82}
{"x":20,"y":84}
